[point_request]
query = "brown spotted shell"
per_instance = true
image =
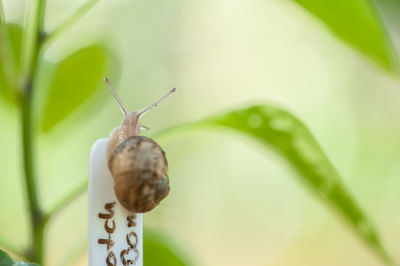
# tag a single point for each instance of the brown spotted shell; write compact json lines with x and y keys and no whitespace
{"x":139,"y":169}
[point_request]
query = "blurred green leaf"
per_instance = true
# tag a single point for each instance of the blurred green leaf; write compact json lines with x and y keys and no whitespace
{"x":6,"y":260}
{"x":357,"y":23}
{"x":75,"y":80}
{"x":159,"y":250}
{"x":275,"y":128}
{"x":10,"y":55}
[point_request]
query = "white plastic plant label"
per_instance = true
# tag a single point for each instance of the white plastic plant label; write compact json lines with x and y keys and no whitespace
{"x":115,"y":236}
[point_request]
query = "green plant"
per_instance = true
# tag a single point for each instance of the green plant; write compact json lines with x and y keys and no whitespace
{"x":24,"y":72}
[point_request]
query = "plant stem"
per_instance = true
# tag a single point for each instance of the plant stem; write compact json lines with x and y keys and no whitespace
{"x":37,"y":226}
{"x":31,"y":44}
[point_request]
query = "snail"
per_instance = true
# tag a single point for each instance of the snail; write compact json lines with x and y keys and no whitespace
{"x":137,"y":163}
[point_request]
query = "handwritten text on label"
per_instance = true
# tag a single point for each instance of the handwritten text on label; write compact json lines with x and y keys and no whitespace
{"x":128,"y":256}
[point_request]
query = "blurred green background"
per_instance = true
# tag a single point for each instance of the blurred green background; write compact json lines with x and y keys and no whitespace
{"x":231,"y":202}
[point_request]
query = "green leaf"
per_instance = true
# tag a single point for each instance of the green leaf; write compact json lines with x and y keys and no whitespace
{"x":75,"y":80}
{"x":159,"y":250}
{"x":6,"y":260}
{"x":10,"y":55}
{"x":357,"y":23}
{"x":275,"y":128}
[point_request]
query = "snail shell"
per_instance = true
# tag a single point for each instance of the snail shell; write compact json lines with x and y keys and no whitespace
{"x":137,"y":163}
{"x":139,"y":168}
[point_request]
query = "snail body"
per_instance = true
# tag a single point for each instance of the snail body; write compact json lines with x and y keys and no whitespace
{"x":137,"y":163}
